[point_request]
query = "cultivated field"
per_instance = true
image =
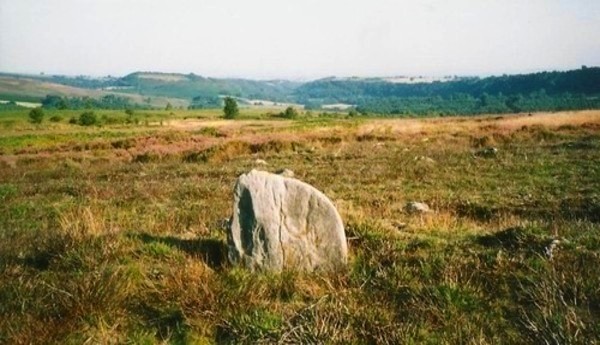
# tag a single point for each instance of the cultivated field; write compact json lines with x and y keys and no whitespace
{"x":115,"y":234}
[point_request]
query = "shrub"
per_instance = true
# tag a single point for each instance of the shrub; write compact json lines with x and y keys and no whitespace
{"x":55,"y":118}
{"x":36,"y":115}
{"x":230,"y":110}
{"x":73,"y":120}
{"x":88,"y":118}
{"x":290,"y":113}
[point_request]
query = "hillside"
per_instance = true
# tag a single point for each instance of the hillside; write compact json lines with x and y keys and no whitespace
{"x":583,"y":81}
{"x":545,"y":91}
{"x":206,"y":90}
{"x":576,"y":89}
{"x":20,"y":88}
{"x":180,"y":89}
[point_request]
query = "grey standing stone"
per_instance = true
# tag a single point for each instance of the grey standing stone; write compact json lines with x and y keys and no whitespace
{"x":281,"y":223}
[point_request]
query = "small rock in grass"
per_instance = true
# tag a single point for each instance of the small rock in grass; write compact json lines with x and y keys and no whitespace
{"x":400,"y":225}
{"x":551,"y":247}
{"x":424,"y":159}
{"x":285,"y":172}
{"x":417,"y":207}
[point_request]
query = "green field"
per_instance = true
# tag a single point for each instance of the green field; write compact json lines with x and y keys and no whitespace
{"x":114,"y":233}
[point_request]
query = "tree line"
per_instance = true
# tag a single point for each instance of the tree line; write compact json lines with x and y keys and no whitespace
{"x":577,"y":89}
{"x":104,"y":102}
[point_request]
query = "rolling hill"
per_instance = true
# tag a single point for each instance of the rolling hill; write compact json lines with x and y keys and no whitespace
{"x":547,"y":91}
{"x":191,"y":86}
{"x":178,"y":89}
{"x":32,"y":89}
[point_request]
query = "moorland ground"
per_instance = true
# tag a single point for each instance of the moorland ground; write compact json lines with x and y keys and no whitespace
{"x":115,"y":234}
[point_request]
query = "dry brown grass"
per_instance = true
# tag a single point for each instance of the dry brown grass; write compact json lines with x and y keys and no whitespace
{"x":119,"y":239}
{"x":179,"y":136}
{"x":502,"y":124}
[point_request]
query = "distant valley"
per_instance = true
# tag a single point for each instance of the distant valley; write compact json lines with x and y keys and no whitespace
{"x":400,"y":95}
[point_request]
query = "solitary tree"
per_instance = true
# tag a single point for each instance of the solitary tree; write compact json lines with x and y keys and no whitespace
{"x":290,"y":113}
{"x":231,"y":108}
{"x":36,"y":115}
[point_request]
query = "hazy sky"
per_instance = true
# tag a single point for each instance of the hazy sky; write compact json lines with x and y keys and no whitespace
{"x":298,"y":38}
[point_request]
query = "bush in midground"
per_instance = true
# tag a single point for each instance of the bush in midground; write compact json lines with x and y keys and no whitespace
{"x":88,"y":118}
{"x":36,"y":115}
{"x":290,"y":113}
{"x":230,"y":110}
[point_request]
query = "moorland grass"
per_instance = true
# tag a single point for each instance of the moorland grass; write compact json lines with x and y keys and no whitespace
{"x":100,"y":245}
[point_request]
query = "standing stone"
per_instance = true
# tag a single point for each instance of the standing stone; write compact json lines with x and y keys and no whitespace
{"x":281,"y":223}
